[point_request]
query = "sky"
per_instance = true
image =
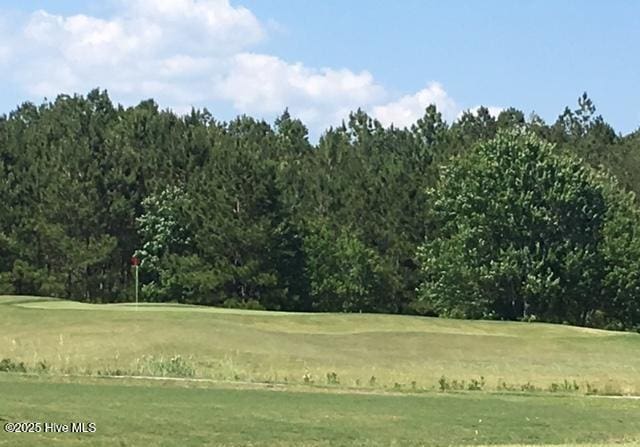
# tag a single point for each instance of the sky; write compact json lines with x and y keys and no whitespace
{"x":324,"y":58}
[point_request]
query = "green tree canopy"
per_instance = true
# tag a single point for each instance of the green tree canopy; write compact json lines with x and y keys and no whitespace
{"x":522,"y":230}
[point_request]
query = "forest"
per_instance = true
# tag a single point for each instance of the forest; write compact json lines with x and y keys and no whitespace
{"x":506,"y":217}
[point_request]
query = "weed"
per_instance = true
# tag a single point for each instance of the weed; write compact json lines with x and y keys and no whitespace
{"x":591,"y":389}
{"x":175,"y":366}
{"x":529,"y":387}
{"x":42,"y":366}
{"x":476,"y":385}
{"x":332,"y":378}
{"x":504,"y":386}
{"x":565,"y":386}
{"x":8,"y":365}
{"x":113,"y":372}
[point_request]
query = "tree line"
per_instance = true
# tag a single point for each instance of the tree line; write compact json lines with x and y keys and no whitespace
{"x":503,"y":217}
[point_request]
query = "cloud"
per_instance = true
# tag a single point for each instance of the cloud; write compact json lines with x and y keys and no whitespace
{"x":167,"y":49}
{"x":193,"y":52}
{"x":408,"y":109}
{"x":197,"y":26}
{"x":260,"y":83}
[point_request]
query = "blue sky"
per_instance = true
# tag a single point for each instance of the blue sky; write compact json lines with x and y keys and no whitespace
{"x":324,"y":58}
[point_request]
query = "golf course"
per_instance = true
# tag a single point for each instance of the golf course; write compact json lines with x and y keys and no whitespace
{"x":242,"y":223}
{"x":190,"y":375}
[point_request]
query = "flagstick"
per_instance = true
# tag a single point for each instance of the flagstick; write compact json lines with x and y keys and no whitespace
{"x":136,"y":287}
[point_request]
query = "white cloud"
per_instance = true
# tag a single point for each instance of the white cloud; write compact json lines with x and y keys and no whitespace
{"x":161,"y":48}
{"x":266,"y":84}
{"x":193,"y":52}
{"x":198,"y":26}
{"x":408,"y":109}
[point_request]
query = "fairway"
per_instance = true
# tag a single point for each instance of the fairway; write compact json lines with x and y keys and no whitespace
{"x":161,"y":414}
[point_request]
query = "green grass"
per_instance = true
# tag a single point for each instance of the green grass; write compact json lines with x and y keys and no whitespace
{"x":243,"y":378}
{"x":254,"y":346}
{"x":142,"y":413}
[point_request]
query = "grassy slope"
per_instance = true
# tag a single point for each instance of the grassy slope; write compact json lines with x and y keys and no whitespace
{"x":159,"y":414}
{"x":244,"y":345}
